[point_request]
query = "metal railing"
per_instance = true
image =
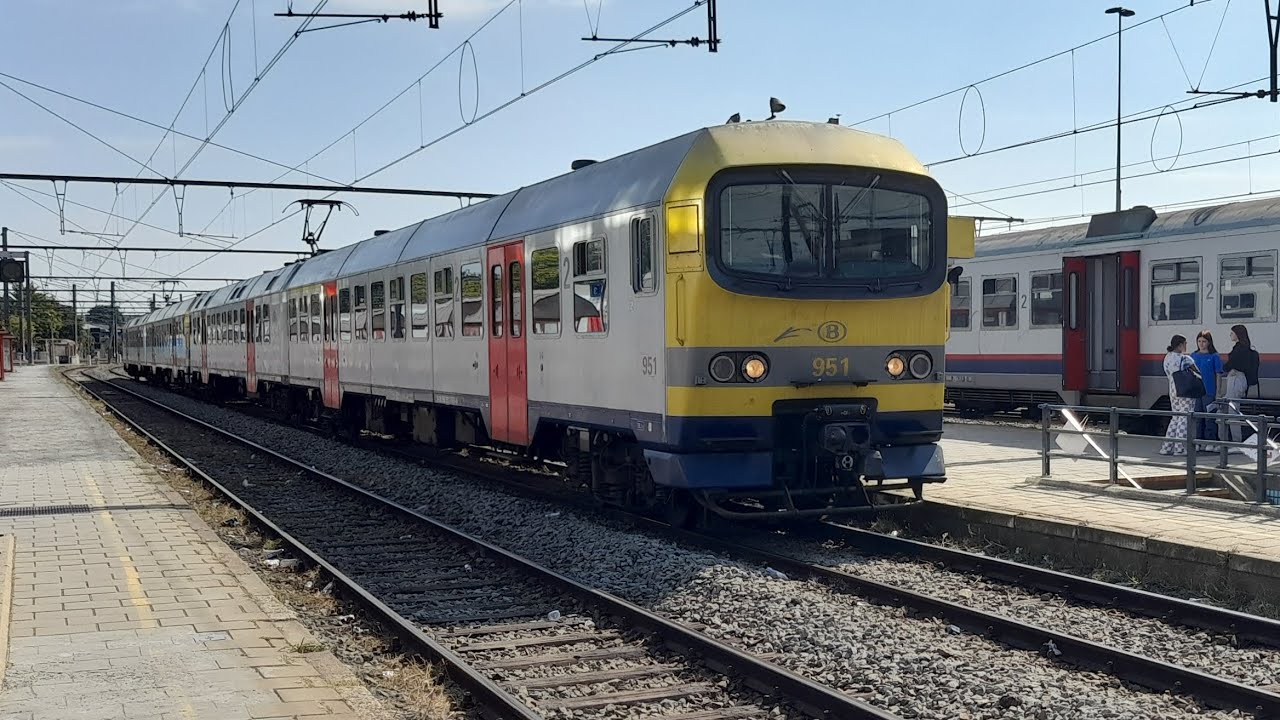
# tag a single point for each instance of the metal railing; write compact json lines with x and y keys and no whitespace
{"x":1260,"y":443}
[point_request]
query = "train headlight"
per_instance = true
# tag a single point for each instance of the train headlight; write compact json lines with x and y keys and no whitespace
{"x":723,"y":368}
{"x":920,"y":365}
{"x":895,"y":365}
{"x":755,"y":367}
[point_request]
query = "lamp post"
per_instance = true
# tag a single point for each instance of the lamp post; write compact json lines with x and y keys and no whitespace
{"x":1121,"y":13}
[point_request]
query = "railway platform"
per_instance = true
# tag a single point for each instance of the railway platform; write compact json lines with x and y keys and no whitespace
{"x":118,"y":601}
{"x":993,"y":491}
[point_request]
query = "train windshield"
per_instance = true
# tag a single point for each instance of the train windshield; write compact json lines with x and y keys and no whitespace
{"x":825,"y":233}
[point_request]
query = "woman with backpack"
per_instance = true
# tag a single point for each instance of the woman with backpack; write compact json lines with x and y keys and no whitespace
{"x":1185,"y":388}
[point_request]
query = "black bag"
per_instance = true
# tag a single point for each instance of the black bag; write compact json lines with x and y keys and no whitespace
{"x":1187,"y":382}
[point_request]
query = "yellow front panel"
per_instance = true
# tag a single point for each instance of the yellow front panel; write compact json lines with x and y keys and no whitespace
{"x":754,"y":401}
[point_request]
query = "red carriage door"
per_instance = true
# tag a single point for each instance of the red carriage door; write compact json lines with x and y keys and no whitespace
{"x":1075,"y":313}
{"x":331,"y":390}
{"x":1130,"y":297}
{"x":508,"y":378}
{"x":250,"y":349}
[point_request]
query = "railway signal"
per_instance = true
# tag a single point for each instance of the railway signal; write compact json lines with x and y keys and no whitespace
{"x":13,"y":267}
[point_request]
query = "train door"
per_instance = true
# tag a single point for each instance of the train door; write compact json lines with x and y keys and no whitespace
{"x":250,"y":349}
{"x":330,"y":388}
{"x":204,"y":347}
{"x":508,"y":379}
{"x":1100,"y":323}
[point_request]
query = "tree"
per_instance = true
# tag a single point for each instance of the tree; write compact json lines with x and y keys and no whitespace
{"x":49,"y":317}
{"x":101,"y":315}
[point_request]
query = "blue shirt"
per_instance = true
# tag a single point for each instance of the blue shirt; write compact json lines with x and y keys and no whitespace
{"x":1210,"y":365}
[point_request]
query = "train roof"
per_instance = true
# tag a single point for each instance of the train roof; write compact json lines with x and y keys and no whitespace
{"x":636,"y":179}
{"x":1137,"y":223}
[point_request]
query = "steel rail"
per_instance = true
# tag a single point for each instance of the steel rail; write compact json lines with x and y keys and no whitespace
{"x":772,"y":680}
{"x":1144,"y":671}
{"x":1255,"y":629}
{"x":1139,"y":669}
{"x":483,"y":690}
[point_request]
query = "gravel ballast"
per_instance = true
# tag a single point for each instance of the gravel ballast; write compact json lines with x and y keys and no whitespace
{"x":916,"y":667}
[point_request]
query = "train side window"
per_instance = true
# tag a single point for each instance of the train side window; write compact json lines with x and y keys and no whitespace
{"x":396,"y":308}
{"x":1247,"y":287}
{"x":1000,"y":302}
{"x":442,"y":281}
{"x":304,"y":320}
{"x":472,"y":282}
{"x":344,"y":315}
{"x":961,"y":301}
{"x":515,"y":296}
{"x":643,"y":278}
{"x":546,"y":291}
{"x":315,"y":317}
{"x":1046,"y":299}
{"x":495,"y":292}
{"x":361,"y":318}
{"x":1175,"y":291}
{"x":590,"y":306}
{"x":293,"y":320}
{"x":266,"y":323}
{"x":378,"y":301}
{"x":329,"y":329}
{"x":420,"y":307}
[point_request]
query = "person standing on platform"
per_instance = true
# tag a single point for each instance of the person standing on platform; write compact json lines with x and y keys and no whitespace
{"x":1242,"y":373}
{"x":1209,"y":362}
{"x":1175,"y":362}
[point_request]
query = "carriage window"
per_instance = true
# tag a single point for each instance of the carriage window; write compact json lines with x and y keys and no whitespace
{"x":960,"y":304}
{"x":590,"y":309}
{"x":257,"y":323}
{"x":1247,"y":286}
{"x":242,"y":326}
{"x":304,"y":332}
{"x":515,"y":296}
{"x":443,"y":282}
{"x":361,"y":323}
{"x":419,"y":306}
{"x":643,"y":279}
{"x":378,"y":301}
{"x":1000,"y":302}
{"x":1046,"y":300}
{"x":397,"y":308}
{"x":266,"y":323}
{"x":472,"y":300}
{"x":1175,"y":291}
{"x":546,"y":291}
{"x":344,"y":315}
{"x":328,"y":319}
{"x":315,"y":317}
{"x":495,"y":292}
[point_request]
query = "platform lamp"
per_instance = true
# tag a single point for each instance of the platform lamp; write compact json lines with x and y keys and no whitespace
{"x":1121,"y":13}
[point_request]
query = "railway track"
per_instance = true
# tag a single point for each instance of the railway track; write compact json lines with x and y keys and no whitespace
{"x":1019,"y":632}
{"x":523,"y":641}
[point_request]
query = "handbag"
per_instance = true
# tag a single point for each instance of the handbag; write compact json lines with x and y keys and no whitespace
{"x":1187,"y":382}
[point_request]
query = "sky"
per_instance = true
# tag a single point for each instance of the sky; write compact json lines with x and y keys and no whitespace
{"x":476,"y":106}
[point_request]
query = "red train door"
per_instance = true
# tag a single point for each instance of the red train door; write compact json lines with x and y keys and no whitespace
{"x":330,"y":389}
{"x":1075,"y":300}
{"x":1130,"y":301}
{"x":508,"y":376}
{"x":1100,"y":323}
{"x":250,"y":350}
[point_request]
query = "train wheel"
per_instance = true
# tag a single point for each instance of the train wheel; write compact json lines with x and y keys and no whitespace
{"x":682,"y":510}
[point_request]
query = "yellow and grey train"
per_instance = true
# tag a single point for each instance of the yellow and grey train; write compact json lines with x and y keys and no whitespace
{"x":747,"y":320}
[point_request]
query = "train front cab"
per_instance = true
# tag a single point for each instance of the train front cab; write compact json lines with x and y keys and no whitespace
{"x":802,"y":391}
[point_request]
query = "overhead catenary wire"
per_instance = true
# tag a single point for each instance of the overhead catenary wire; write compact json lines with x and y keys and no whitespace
{"x":1188,"y":4}
{"x":489,"y":113}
